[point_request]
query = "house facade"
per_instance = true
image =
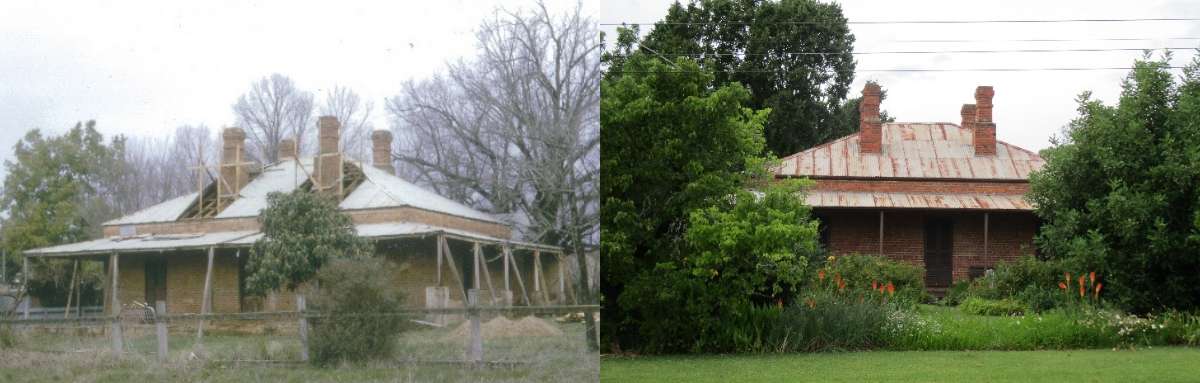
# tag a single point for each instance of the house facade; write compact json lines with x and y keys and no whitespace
{"x":190,"y":252}
{"x":946,"y":197}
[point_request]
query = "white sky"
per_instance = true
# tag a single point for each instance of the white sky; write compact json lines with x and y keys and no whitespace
{"x":145,"y":67}
{"x":1029,"y":106}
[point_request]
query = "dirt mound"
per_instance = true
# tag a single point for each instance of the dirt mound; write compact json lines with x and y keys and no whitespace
{"x":502,"y":327}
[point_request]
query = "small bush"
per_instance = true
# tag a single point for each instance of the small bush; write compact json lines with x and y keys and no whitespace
{"x":866,"y":274}
{"x":350,"y":290}
{"x":1001,"y":307}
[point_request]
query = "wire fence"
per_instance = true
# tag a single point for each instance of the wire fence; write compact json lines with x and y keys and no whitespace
{"x":474,"y":335}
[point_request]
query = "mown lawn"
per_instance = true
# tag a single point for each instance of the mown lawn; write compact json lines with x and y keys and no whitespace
{"x":1165,"y":364}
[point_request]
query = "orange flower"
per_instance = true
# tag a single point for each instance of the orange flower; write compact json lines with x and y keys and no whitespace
{"x":1062,"y":285}
{"x":821,"y":275}
{"x":891,"y":289}
{"x":874,"y":285}
{"x":1081,"y":286}
{"x":1067,"y":277}
{"x":1092,"y":276}
{"x":810,"y":302}
{"x":841,"y":284}
{"x":1096,"y":294}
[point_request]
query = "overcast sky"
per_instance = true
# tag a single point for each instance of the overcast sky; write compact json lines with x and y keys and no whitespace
{"x":1029,"y":106}
{"x":146,"y":67}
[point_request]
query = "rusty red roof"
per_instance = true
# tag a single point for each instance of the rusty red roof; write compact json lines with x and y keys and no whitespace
{"x":888,"y":200}
{"x":914,"y":150}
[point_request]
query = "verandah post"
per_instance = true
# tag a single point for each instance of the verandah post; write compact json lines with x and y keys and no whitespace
{"x":117,"y":337}
{"x":206,"y":297}
{"x":475,"y":340}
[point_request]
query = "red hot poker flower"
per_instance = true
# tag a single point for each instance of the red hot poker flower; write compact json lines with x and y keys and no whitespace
{"x":891,"y":289}
{"x":1062,"y":285}
{"x":1096,"y":294}
{"x":1092,"y":276}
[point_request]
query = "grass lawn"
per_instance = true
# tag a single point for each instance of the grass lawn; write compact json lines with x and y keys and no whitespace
{"x":1159,"y":364}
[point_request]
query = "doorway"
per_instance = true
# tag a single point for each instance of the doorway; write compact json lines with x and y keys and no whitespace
{"x":156,"y":280}
{"x":939,"y":252}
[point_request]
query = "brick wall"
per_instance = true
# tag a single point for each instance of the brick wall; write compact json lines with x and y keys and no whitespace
{"x":1010,"y":235}
{"x":185,"y":281}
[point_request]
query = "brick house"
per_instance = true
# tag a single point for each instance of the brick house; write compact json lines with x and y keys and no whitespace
{"x":193,"y":248}
{"x":947,"y":197}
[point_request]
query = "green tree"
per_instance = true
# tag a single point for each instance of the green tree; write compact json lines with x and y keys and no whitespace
{"x":672,"y":144}
{"x":750,"y":249}
{"x":1120,"y":192}
{"x":302,"y":231}
{"x":56,"y":192}
{"x":795,"y":57}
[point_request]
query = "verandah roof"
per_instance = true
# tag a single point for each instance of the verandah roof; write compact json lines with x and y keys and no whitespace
{"x":242,"y":239}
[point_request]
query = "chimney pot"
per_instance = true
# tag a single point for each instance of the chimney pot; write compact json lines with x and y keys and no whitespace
{"x":870,"y":134}
{"x":968,"y":116}
{"x":985,"y":129}
{"x":381,"y":145}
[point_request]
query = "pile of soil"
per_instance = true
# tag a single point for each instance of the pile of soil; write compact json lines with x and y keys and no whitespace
{"x":502,"y":327}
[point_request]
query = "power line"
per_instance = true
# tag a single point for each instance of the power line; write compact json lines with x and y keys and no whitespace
{"x":876,"y":22}
{"x":1047,"y":69}
{"x":931,"y":51}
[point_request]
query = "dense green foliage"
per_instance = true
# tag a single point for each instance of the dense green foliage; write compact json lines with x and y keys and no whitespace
{"x":1160,"y":364}
{"x":867,"y":275}
{"x":1120,"y":193}
{"x":673,"y":145}
{"x":1027,"y":280}
{"x":302,"y":231}
{"x":751,"y":251}
{"x":56,"y":191}
{"x":350,"y":290}
{"x":994,"y":307}
{"x":752,"y":42}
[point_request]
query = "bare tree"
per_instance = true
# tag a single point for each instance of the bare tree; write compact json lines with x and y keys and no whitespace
{"x":516,"y":129}
{"x":274,"y":109}
{"x":355,"y":116}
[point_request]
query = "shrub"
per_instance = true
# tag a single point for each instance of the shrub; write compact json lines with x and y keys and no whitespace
{"x":866,"y":274}
{"x":1027,"y":280}
{"x":957,"y":292}
{"x":351,"y":290}
{"x":1001,"y":307}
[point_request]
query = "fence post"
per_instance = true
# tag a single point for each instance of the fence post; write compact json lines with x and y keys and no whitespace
{"x":475,"y":340}
{"x":300,"y":306}
{"x":117,"y":338}
{"x":160,"y":329}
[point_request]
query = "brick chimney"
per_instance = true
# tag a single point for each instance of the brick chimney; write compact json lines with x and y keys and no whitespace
{"x":287,"y":149}
{"x":235,"y":171}
{"x":985,"y":129}
{"x":329,"y":160}
{"x":870,"y":134}
{"x":968,"y":116}
{"x":381,"y":147}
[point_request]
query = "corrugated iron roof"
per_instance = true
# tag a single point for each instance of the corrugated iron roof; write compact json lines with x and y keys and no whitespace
{"x":914,"y":150}
{"x":967,"y":201}
{"x":242,"y":239}
{"x":379,"y":189}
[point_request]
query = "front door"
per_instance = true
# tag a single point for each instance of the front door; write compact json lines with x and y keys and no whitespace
{"x":156,"y":280}
{"x":939,"y":252}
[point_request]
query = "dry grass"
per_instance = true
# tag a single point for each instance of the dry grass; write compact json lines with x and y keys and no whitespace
{"x":84,"y":355}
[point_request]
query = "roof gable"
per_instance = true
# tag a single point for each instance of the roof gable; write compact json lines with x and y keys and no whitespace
{"x":913,"y":150}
